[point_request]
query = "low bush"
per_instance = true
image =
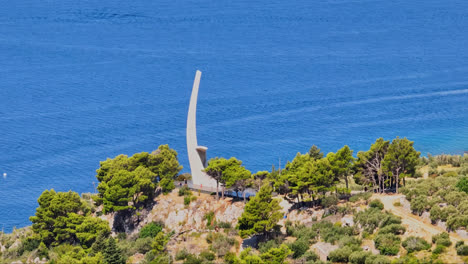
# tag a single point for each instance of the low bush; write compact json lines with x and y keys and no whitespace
{"x":360,"y":196}
{"x":265,"y":246}
{"x":450,"y":174}
{"x":377,"y":259}
{"x":359,"y":257}
{"x":462,"y":250}
{"x":299,"y":247}
{"x":329,"y":201}
{"x":419,"y":204}
{"x":220,"y":243}
{"x":342,"y":254}
{"x":376,"y":204}
{"x":412,"y":244}
{"x":442,"y":239}
{"x":225,"y":225}
{"x":187,"y":199}
{"x":393,"y":229}
{"x":185,"y":190}
{"x":310,"y":256}
{"x":208,"y":255}
{"x":151,"y":230}
{"x":209,"y":217}
{"x":388,"y":244}
{"x":182,"y":254}
{"x":349,"y":241}
{"x":438,"y":249}
{"x":374,"y":218}
{"x":143,"y":245}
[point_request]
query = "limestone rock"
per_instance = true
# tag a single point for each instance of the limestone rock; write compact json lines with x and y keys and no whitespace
{"x":347,"y":220}
{"x":323,"y":249}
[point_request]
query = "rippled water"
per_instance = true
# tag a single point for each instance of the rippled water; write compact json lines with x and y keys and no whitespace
{"x":81,"y":81}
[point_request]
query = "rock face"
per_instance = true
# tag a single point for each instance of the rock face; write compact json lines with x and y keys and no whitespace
{"x":170,"y":210}
{"x":323,"y":249}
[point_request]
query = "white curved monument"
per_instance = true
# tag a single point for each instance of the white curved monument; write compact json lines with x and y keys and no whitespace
{"x":196,"y":154}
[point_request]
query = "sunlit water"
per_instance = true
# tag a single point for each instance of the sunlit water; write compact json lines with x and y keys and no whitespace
{"x":81,"y":81}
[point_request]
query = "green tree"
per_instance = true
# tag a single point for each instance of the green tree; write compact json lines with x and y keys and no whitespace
{"x":412,"y":244}
{"x":128,"y":183}
{"x":261,"y":214}
{"x":294,"y":178}
{"x":64,"y":217}
{"x":228,"y":172}
{"x":276,"y":255}
{"x":112,"y":253}
{"x":401,"y":160}
{"x":462,"y":184}
{"x":342,"y":163}
{"x":89,"y":229}
{"x":259,"y":178}
{"x":315,"y":153}
{"x":369,"y":165}
{"x":236,"y":176}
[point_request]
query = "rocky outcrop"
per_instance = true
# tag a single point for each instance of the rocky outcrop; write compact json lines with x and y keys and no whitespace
{"x":170,"y":210}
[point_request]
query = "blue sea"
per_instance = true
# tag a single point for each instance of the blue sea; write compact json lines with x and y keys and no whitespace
{"x":81,"y":81}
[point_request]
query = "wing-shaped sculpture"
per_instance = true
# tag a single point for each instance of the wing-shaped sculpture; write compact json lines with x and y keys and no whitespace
{"x":196,"y":154}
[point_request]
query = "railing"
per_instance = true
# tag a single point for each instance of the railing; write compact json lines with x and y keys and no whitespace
{"x":228,"y":192}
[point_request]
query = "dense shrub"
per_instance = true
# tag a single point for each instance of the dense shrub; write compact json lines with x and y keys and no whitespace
{"x":377,"y":259}
{"x":332,"y":233}
{"x":359,"y":257}
{"x":442,"y":239}
{"x":342,"y":254}
{"x":209,"y":217}
{"x":329,"y":201}
{"x":267,"y":245}
{"x":191,"y":259}
{"x":360,"y":196}
{"x":435,"y":213}
{"x":225,"y":225}
{"x":182,"y":254}
{"x":187,"y":199}
{"x":462,"y":250}
{"x":349,"y":241}
{"x":374,"y":218}
{"x":310,"y":256}
{"x":185,"y":190}
{"x":151,"y":229}
{"x":419,"y":204}
{"x":388,"y":244}
{"x":220,"y":243}
{"x":208,"y":255}
{"x":450,"y":174}
{"x":376,"y":204}
{"x":275,"y":255}
{"x":143,"y":245}
{"x":393,"y":229}
{"x":299,"y":247}
{"x":412,"y":244}
{"x":439,"y":249}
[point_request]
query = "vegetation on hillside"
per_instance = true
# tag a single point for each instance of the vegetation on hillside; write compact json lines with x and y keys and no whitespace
{"x":68,"y":228}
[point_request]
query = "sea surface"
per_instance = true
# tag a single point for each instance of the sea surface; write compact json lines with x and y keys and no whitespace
{"x":82,"y":81}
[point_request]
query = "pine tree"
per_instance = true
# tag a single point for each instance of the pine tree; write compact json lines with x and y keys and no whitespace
{"x":261,"y":214}
{"x":112,"y":254}
{"x":401,"y":160}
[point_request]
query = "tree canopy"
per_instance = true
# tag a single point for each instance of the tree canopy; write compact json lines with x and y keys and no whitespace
{"x":64,"y":218}
{"x":127,"y":183}
{"x":261,"y":214}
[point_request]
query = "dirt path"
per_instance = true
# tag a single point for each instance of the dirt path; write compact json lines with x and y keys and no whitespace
{"x":416,"y":226}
